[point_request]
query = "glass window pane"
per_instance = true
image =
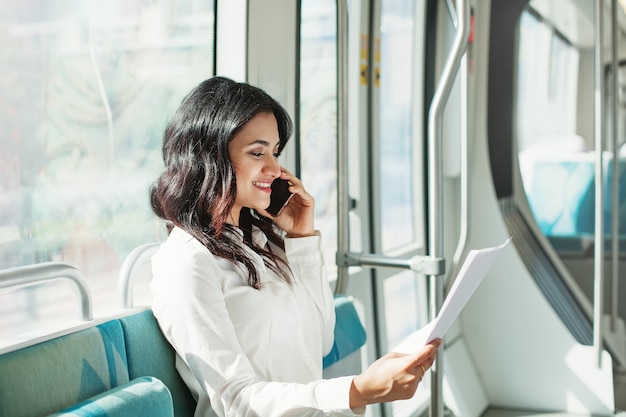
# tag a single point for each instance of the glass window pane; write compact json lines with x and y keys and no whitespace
{"x":318,"y":112}
{"x":85,"y":91}
{"x":556,"y":162}
{"x":404,"y":314}
{"x":396,"y":78}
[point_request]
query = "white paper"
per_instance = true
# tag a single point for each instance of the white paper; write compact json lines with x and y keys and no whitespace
{"x":472,"y":272}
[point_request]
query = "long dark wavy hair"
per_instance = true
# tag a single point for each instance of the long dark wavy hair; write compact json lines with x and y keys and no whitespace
{"x":197,"y":190}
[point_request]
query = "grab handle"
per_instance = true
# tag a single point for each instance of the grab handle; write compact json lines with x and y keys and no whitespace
{"x":26,"y":276}
{"x":435,"y":183}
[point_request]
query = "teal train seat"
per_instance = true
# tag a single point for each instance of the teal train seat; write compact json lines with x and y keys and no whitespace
{"x":560,"y":188}
{"x":119,"y":367}
{"x":349,"y":332}
{"x":145,"y":396}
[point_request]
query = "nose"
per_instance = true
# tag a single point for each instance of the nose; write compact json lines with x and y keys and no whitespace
{"x":272,"y":167}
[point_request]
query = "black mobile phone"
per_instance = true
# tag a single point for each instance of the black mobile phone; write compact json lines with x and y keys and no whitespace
{"x":280,"y":196}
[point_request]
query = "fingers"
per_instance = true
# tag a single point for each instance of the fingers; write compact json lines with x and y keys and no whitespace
{"x":296,"y":187}
{"x":286,"y":175}
{"x":293,"y":180}
{"x":424,"y":358}
{"x":423,"y":372}
{"x":297,"y":217}
{"x":428,"y":351}
{"x":395,"y":376}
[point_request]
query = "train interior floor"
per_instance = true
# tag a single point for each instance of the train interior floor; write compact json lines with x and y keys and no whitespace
{"x":497,"y":412}
{"x":619,"y":380}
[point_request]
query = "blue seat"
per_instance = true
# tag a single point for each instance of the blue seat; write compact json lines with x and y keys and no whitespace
{"x":114,"y":367}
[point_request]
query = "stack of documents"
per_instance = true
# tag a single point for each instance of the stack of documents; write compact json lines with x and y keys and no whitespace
{"x":471,"y":274}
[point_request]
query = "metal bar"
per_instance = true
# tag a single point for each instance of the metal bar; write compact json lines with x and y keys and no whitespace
{"x":343,"y":196}
{"x":461,"y":247}
{"x":453,"y":17}
{"x":599,"y":185}
{"x":435,"y":184}
{"x":26,"y":276}
{"x":615,"y":183}
{"x":124,"y":281}
{"x":419,"y":263}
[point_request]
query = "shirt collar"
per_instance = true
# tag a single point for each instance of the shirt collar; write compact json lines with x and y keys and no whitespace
{"x":258,"y":237}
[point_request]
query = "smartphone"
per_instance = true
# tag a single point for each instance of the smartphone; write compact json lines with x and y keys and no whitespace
{"x":280,"y":196}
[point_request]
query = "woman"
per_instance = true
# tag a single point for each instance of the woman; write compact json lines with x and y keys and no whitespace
{"x":240,"y":294}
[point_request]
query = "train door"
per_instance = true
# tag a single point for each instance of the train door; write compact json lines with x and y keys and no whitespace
{"x":384,"y":113}
{"x":397,"y":221}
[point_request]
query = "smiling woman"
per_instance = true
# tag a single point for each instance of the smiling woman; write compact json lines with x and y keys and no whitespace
{"x":217,"y":118}
{"x":240,"y":294}
{"x":254,"y":153}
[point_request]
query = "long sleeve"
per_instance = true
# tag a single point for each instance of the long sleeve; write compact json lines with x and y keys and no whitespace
{"x":305,"y":258}
{"x":251,"y":352}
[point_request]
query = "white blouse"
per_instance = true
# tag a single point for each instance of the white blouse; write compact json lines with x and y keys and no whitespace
{"x":248,"y":352}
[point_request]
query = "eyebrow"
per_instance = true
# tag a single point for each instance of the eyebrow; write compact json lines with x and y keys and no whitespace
{"x":263,"y":142}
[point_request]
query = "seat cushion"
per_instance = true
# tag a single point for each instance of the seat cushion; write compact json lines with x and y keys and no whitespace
{"x":349,"y":331}
{"x":48,"y":376}
{"x":145,"y":396}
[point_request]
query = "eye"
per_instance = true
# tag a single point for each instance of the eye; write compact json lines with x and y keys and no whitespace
{"x":257,"y":154}
{"x":276,"y":155}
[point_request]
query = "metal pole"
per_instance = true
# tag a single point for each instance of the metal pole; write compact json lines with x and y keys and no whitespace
{"x":435,"y":184}
{"x":464,"y":180}
{"x":615,"y":226}
{"x":343,"y":196}
{"x":599,"y":184}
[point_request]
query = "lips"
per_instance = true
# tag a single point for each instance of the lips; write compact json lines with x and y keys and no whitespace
{"x":265,"y":186}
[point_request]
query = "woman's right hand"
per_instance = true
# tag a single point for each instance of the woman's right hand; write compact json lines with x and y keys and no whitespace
{"x":395,"y":376}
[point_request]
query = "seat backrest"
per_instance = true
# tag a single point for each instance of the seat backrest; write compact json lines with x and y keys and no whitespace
{"x":150,"y":354}
{"x":349,"y":331}
{"x":46,"y":377}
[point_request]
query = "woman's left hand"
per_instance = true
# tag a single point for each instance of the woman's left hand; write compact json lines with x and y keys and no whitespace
{"x":296,"y":217}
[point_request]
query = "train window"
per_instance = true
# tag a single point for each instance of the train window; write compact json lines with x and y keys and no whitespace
{"x":394,"y":64}
{"x":403,"y":316}
{"x":318,"y":106}
{"x":555,"y":147}
{"x":87,"y":88}
{"x":398,"y":67}
{"x":547,"y":81}
{"x":401,"y":322}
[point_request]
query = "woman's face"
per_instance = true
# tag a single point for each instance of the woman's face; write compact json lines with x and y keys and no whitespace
{"x":254,"y":155}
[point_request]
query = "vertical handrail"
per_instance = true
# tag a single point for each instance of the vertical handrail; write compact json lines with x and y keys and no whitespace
{"x":435,"y":184}
{"x":461,"y":247}
{"x":124,"y":281}
{"x":599,"y":186}
{"x":343,"y":196}
{"x":26,"y":276}
{"x":615,"y":183}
